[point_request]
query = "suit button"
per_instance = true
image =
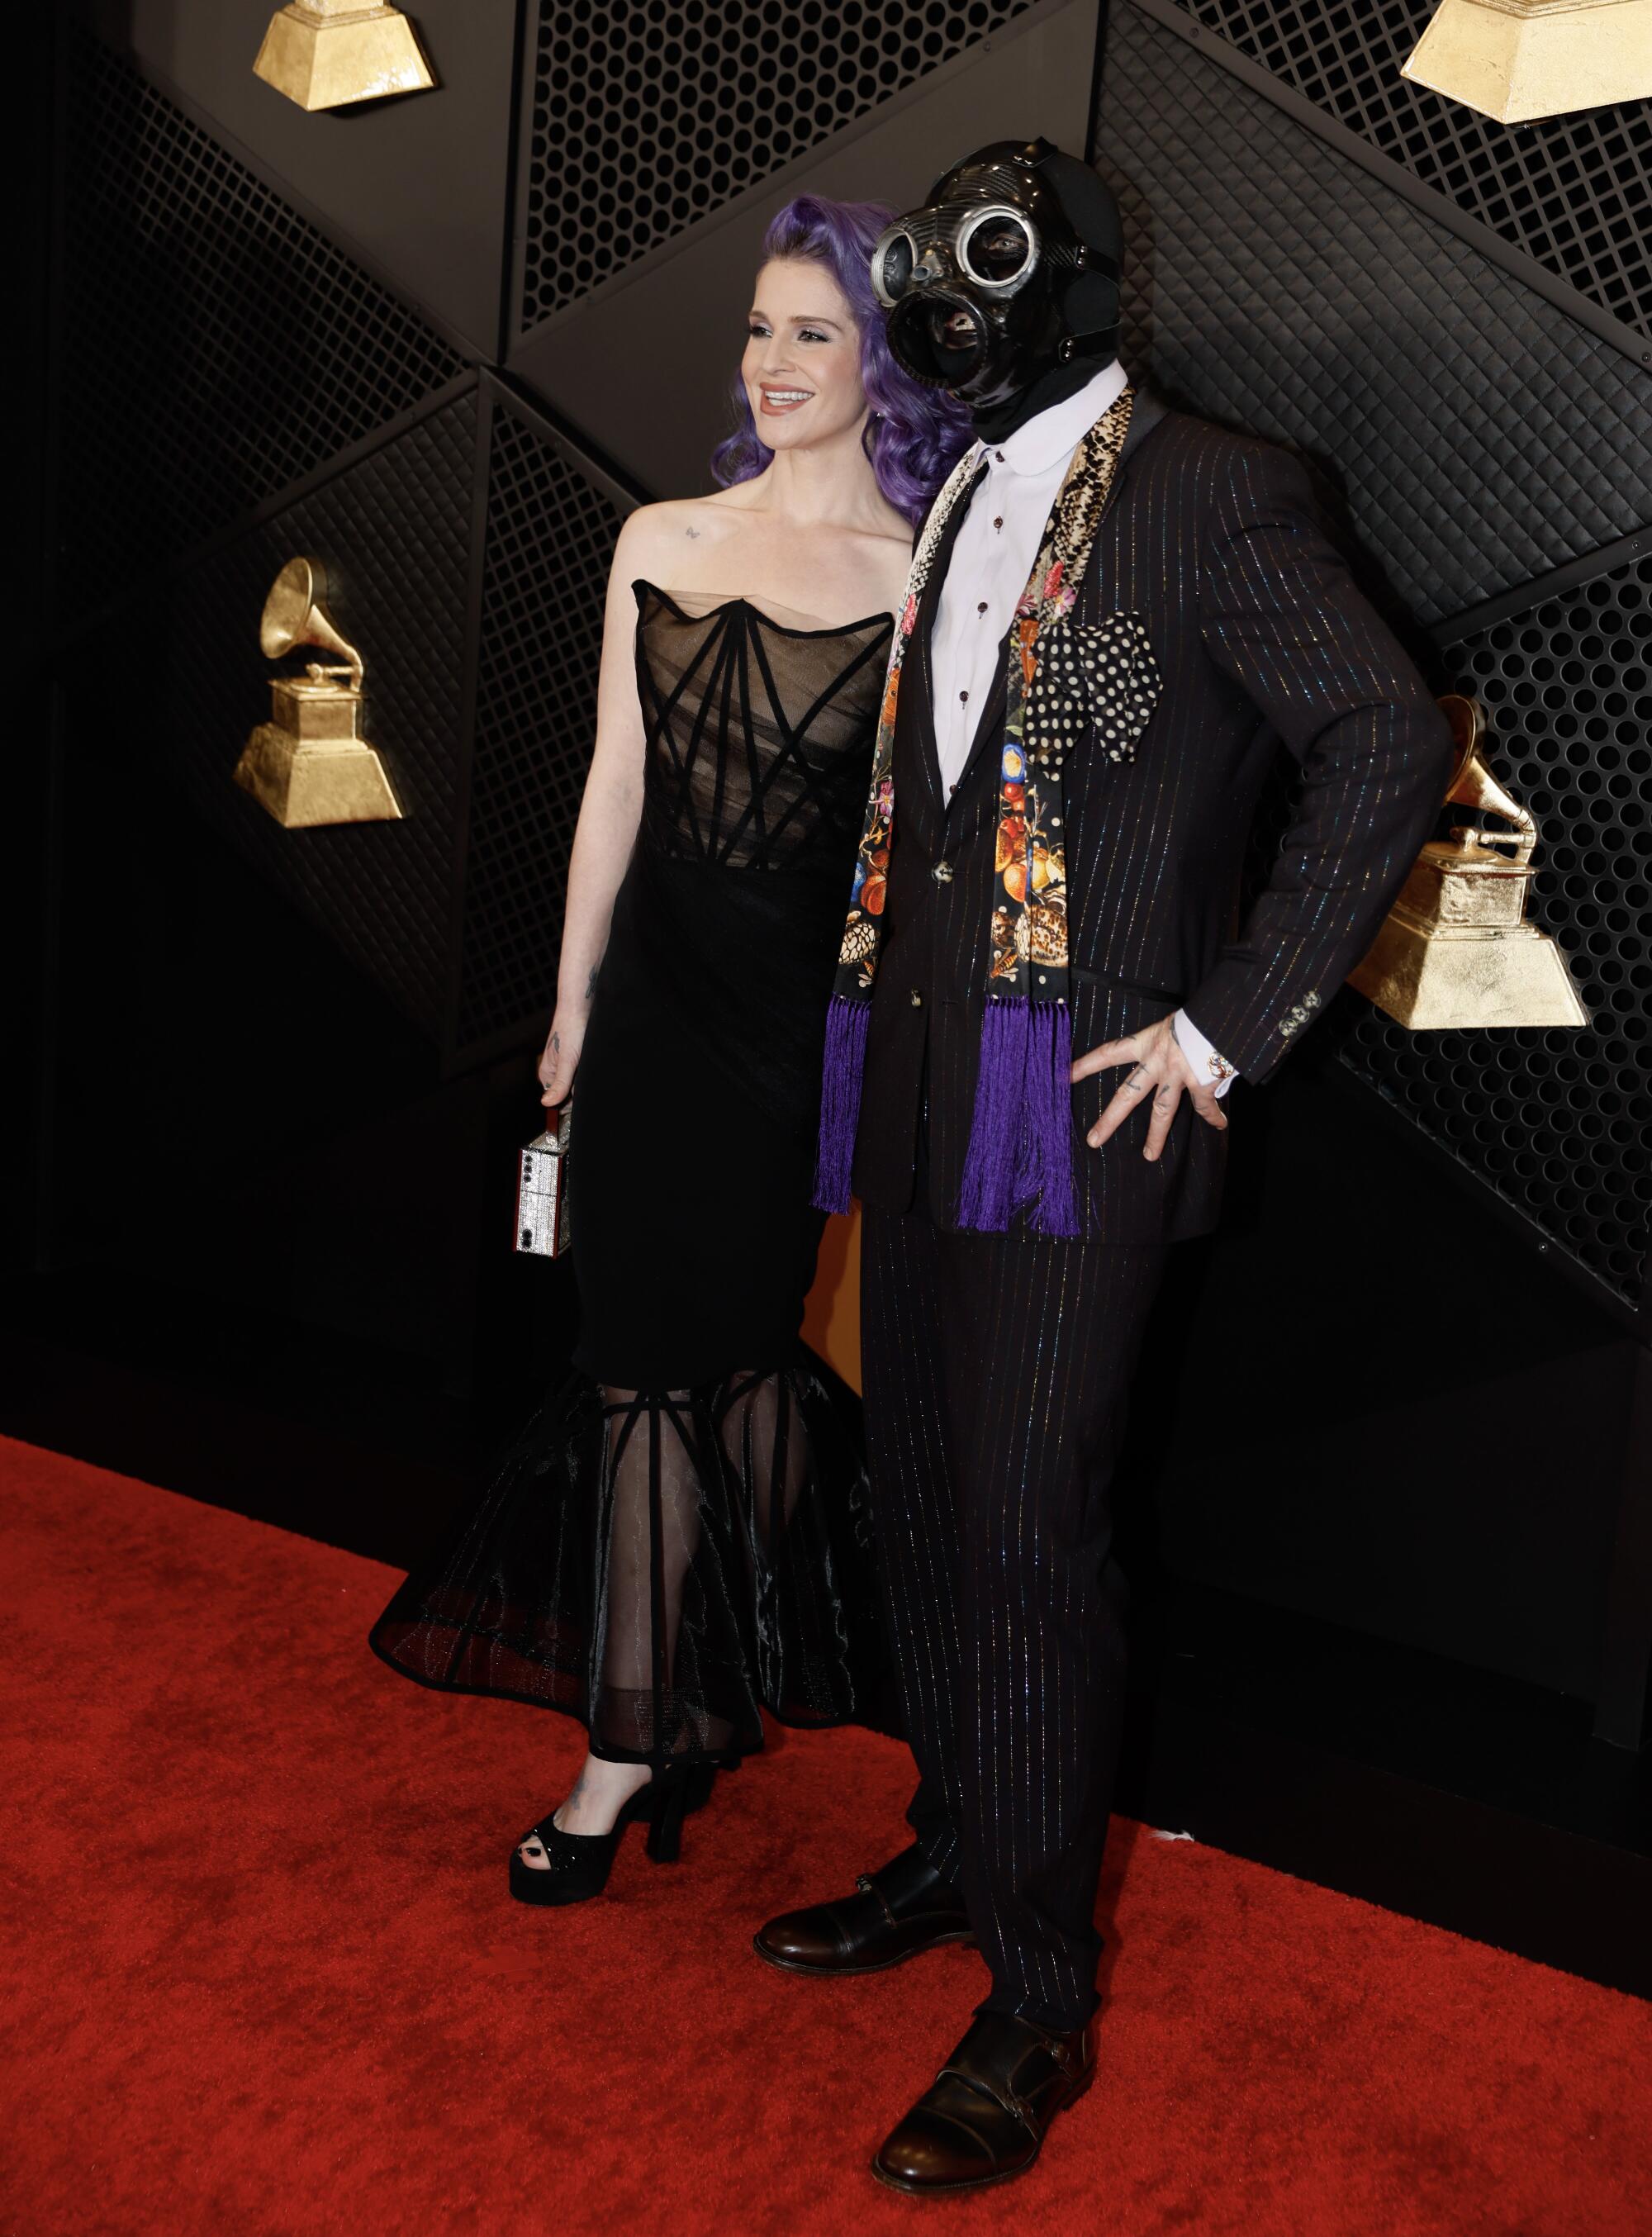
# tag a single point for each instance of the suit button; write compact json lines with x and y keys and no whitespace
{"x":918,"y":999}
{"x":942,"y":873}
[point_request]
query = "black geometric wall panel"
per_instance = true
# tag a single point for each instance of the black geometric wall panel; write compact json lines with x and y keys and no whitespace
{"x":550,"y":536}
{"x":419,"y":190}
{"x":394,"y":530}
{"x":1471,"y":437}
{"x":1560,"y":1123}
{"x":597,"y":363}
{"x":648,"y":114}
{"x":214,"y":346}
{"x":1475,"y":436}
{"x":1573,"y":193}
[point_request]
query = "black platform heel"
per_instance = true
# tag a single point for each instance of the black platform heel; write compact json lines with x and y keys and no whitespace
{"x":577,"y":1864}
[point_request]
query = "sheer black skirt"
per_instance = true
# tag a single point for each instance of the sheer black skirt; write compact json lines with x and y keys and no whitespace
{"x":663,"y":1565}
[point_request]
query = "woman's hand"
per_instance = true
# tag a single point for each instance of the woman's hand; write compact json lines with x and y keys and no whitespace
{"x":559,"y":1058}
{"x":1159,"y":1070}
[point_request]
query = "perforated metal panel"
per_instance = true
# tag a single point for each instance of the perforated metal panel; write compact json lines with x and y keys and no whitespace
{"x":648,"y":114}
{"x":216,"y":346}
{"x":1560,"y":1122}
{"x":1573,"y":193}
{"x":1474,"y":435}
{"x":551,"y":537}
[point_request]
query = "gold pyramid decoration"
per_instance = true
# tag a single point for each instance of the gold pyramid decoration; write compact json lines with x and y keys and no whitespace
{"x":1515,"y":60}
{"x":324,"y":54}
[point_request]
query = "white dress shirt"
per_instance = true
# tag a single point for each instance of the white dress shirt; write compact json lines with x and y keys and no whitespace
{"x":991,"y":559}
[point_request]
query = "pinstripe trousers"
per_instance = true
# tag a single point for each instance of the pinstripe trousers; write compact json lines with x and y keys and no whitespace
{"x":996,"y":1369}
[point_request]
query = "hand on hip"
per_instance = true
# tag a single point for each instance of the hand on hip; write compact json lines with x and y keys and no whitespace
{"x":1160,"y":1075}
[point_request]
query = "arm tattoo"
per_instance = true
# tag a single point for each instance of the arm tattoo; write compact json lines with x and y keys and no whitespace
{"x":590,"y":983}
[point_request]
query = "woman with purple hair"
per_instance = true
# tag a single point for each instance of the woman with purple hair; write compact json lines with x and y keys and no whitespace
{"x":680,"y":1539}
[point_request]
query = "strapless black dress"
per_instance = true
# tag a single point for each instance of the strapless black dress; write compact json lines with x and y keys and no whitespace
{"x":680,"y":1537}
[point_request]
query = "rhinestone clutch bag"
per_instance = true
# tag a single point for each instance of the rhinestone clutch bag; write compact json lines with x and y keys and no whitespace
{"x":541,"y":1187}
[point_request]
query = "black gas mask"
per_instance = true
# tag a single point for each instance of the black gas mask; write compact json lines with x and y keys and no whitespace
{"x":1009,"y":272}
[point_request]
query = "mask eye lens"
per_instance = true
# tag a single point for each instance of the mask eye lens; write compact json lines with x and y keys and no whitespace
{"x":998,"y":249}
{"x":893,"y":267}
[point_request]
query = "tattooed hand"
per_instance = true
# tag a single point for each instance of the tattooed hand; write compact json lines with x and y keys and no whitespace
{"x":559,"y":1058}
{"x":1159,"y":1070}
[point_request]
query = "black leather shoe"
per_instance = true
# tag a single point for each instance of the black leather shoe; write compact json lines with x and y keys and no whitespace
{"x":985,"y":2117}
{"x":905,"y":1908}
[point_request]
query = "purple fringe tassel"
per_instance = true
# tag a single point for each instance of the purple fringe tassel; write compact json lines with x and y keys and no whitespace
{"x":1020,"y":1140}
{"x":994,"y":1133}
{"x":845,"y":1060}
{"x":1044,"y":1156}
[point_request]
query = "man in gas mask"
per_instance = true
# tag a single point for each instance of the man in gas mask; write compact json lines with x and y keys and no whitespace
{"x":1115,"y":613}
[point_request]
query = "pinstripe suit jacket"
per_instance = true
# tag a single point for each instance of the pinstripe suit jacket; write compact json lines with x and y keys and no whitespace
{"x":1258,"y":633}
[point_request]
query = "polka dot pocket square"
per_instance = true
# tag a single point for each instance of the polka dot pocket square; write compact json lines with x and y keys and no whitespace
{"x":1093,"y":674}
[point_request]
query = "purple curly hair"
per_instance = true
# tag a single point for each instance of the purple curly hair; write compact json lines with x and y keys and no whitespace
{"x":917,"y":433}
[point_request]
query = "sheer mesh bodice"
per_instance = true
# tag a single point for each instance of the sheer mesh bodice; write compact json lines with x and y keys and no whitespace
{"x":679,"y":1539}
{"x":758,"y":734}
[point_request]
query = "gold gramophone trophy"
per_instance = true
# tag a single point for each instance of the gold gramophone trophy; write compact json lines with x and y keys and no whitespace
{"x":1456,"y":949}
{"x":309,"y":764}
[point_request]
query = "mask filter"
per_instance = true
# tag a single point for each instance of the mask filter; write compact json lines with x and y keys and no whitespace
{"x":940,"y":338}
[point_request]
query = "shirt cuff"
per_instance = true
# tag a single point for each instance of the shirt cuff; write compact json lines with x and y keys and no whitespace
{"x":1201,"y":1055}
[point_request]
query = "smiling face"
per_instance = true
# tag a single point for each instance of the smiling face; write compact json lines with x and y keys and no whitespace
{"x":802,"y":363}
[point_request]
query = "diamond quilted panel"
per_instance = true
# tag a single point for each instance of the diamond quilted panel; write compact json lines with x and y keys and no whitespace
{"x":549,"y":543}
{"x":216,"y":346}
{"x":1575,"y":192}
{"x":1559,"y":1122}
{"x":1475,"y":434}
{"x":394,"y":531}
{"x":719,"y":97}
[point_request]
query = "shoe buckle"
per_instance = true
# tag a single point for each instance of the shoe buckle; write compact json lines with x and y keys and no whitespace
{"x":867,"y":1884}
{"x":1005,"y":2096}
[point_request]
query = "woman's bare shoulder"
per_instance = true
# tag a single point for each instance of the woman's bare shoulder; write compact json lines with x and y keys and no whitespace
{"x":656,"y":533}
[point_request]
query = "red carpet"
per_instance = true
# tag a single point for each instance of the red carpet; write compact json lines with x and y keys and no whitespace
{"x":262,"y":1976}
